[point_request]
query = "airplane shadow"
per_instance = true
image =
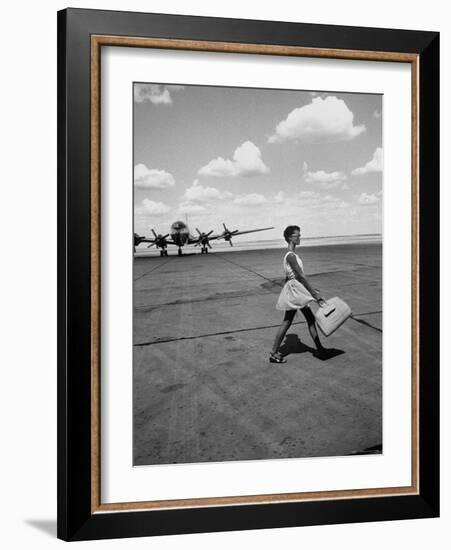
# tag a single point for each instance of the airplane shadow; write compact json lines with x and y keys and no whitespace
{"x":292,"y":344}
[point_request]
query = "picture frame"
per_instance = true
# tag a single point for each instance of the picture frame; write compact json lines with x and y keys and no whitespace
{"x":81,"y":35}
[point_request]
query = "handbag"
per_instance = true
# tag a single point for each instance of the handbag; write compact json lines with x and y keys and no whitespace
{"x":332,"y":315}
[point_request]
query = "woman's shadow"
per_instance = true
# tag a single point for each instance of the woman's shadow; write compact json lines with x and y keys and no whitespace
{"x":292,"y":344}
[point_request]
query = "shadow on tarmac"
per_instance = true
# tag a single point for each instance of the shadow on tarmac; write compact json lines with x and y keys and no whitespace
{"x":293,"y":345}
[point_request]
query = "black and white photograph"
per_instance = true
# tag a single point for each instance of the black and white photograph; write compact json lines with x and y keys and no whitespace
{"x":257,"y":273}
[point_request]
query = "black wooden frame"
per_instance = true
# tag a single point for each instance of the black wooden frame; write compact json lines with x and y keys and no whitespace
{"x":75,"y":520}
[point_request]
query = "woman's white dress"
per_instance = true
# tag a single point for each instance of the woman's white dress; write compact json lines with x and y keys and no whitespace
{"x":294,"y":295}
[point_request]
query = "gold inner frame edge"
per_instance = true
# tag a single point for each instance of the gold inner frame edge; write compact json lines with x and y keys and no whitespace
{"x":97,"y":41}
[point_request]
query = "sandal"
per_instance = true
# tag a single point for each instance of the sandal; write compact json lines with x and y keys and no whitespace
{"x":276,"y":358}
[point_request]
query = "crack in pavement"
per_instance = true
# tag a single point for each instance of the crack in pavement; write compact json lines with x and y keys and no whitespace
{"x":147,"y":272}
{"x":251,"y":271}
{"x":166,"y":340}
{"x":363,"y":322}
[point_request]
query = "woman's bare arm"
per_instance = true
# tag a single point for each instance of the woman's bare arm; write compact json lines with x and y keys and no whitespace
{"x":301,"y":277}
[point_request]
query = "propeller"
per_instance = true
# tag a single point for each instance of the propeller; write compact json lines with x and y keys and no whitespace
{"x":160,"y":240}
{"x":203,"y":238}
{"x":227,"y":234}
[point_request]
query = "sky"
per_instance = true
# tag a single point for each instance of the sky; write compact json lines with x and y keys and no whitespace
{"x":257,"y":158}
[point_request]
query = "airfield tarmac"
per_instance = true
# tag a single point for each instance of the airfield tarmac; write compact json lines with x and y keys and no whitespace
{"x":204,"y":389}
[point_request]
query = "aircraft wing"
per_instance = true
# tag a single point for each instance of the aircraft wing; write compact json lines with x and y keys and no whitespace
{"x":234,"y":234}
{"x":194,"y":240}
{"x":147,"y":240}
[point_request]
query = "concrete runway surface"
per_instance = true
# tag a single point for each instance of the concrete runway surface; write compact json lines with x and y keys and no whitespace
{"x":204,"y":389}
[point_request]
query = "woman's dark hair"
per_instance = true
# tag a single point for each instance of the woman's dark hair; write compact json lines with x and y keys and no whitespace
{"x":289,"y":231}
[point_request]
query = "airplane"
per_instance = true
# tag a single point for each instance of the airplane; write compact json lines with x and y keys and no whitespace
{"x":181,"y":236}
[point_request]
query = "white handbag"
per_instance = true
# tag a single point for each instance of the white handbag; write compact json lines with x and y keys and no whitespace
{"x":332,"y":315}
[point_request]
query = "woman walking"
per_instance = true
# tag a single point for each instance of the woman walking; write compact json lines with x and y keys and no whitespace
{"x":297,"y":293}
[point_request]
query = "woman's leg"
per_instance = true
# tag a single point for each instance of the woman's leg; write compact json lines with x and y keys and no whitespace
{"x":286,"y":323}
{"x":310,"y":318}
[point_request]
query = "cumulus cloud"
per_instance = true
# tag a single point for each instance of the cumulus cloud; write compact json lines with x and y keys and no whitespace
{"x":377,"y":114}
{"x":319,"y":202}
{"x":154,"y":93}
{"x":191,"y":208}
{"x":253,"y":199}
{"x":367,"y":199}
{"x":146,"y":178}
{"x":326,"y":180}
{"x":322,"y":120}
{"x":199,"y":193}
{"x":151,"y":208}
{"x":247,"y":161}
{"x":374,"y":165}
